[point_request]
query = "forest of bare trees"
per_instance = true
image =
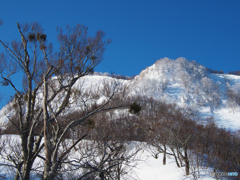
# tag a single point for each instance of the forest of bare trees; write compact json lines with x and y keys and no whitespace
{"x":182,"y":134}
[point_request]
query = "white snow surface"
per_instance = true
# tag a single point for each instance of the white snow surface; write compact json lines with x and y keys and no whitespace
{"x":146,"y":166}
{"x":180,"y":81}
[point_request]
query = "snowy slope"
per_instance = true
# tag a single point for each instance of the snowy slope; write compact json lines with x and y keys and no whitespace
{"x":145,"y":168}
{"x":153,"y":169}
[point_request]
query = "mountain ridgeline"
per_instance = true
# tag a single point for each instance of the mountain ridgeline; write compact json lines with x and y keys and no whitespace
{"x":188,"y":83}
{"x":179,"y":81}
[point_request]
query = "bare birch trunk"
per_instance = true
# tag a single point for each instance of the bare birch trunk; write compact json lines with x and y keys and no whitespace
{"x":47,"y":144}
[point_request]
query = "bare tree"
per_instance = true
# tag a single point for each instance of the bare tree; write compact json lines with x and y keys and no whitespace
{"x":112,"y":153}
{"x":48,"y":83}
{"x":113,"y":99}
{"x":233,"y":96}
{"x":170,"y":131}
{"x":154,"y":128}
{"x":211,"y":90}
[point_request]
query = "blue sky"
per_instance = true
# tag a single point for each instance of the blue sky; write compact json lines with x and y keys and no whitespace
{"x":143,"y":31}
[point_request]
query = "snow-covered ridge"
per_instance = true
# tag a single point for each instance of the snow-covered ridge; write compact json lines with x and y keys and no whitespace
{"x":180,"y":81}
{"x":188,"y":83}
{"x":90,"y":85}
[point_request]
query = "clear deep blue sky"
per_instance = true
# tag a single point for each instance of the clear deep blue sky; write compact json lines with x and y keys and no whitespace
{"x":143,"y":31}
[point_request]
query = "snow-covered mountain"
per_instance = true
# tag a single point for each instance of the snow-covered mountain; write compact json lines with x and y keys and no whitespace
{"x":180,"y":81}
{"x":188,"y":83}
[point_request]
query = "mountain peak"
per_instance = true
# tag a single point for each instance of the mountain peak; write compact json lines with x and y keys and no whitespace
{"x":171,"y":67}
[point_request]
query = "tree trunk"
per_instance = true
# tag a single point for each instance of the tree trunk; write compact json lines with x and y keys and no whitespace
{"x":101,"y":175}
{"x":180,"y":160}
{"x":164,"y":158}
{"x":18,"y":171}
{"x":26,"y":170}
{"x":187,"y":167}
{"x":118,"y":172}
{"x":164,"y":155}
{"x":176,"y":160}
{"x":175,"y":157}
{"x":47,"y":166}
